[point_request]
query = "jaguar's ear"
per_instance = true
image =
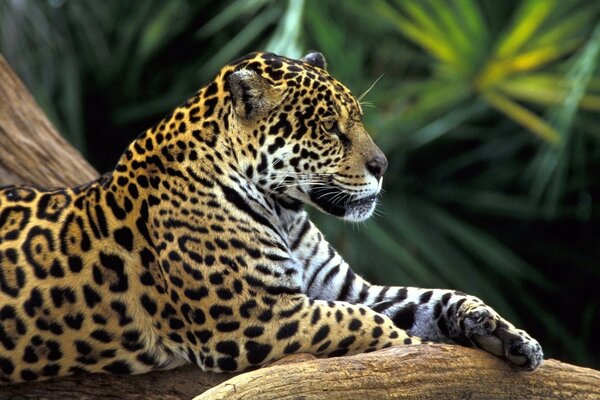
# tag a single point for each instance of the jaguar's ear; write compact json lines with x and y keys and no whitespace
{"x":315,"y":58}
{"x":251,"y":94}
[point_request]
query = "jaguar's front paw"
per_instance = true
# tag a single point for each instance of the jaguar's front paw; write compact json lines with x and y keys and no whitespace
{"x":485,"y":328}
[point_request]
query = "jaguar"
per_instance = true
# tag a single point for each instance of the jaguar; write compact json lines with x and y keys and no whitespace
{"x":197,"y":248}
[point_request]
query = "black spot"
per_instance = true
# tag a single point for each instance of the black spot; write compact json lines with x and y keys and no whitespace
{"x":167,"y":311}
{"x":405,"y":317}
{"x":54,"y":352}
{"x":101,"y":335}
{"x":323,"y":346}
{"x":229,"y":348}
{"x":133,"y":190}
{"x":121,"y":309}
{"x":338,"y":353}
{"x":446,"y":298}
{"x":146,"y":358}
{"x":118,"y":367}
{"x":292,"y":348}
{"x":6,"y":366}
{"x":56,"y":269}
{"x":287,"y":330}
{"x":28,"y":375}
{"x":74,"y":321}
{"x":196,"y":294}
{"x":354,"y":325}
{"x":60,"y":295}
{"x":191,"y":338}
{"x":424,"y":298}
{"x":224,"y":294}
{"x":91,"y":296}
{"x":176,"y":281}
{"x":203,"y":335}
{"x":377,"y":332}
{"x":33,"y":303}
{"x":210,"y":90}
{"x":101,"y":219}
{"x":147,"y":279}
{"x":247,"y":307}
{"x":227,"y":364}
{"x":316,"y":316}
{"x":347,"y":341}
{"x":321,"y":334}
{"x":338,"y":316}
{"x":257,"y":352}
{"x":117,"y":211}
{"x":175,"y":323}
{"x":216,"y":311}
{"x":198,"y":316}
{"x":7,"y":312}
{"x":216,"y":278}
{"x":99,"y":319}
{"x":265,"y":316}
{"x":30,"y":356}
{"x":124,"y":237}
{"x":51,"y":370}
{"x":175,"y":337}
{"x":75,"y":264}
{"x":228,"y":326}
{"x":148,"y":304}
{"x":253,"y":331}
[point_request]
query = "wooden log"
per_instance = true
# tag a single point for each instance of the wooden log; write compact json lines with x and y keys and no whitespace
{"x":31,"y":151}
{"x":411,"y":372}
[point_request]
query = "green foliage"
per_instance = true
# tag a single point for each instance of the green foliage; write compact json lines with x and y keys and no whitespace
{"x":486,"y":109}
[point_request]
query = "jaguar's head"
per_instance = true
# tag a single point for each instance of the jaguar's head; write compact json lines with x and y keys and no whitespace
{"x":301,"y":135}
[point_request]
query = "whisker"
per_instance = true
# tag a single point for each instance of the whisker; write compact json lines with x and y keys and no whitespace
{"x":369,"y":89}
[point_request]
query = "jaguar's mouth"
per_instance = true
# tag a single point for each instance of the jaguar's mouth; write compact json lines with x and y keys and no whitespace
{"x":337,"y":202}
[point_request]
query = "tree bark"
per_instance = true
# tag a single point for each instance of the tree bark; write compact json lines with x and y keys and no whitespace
{"x":32,"y":152}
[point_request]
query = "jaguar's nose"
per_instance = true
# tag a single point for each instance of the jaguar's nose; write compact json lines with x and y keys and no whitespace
{"x":377,"y":166}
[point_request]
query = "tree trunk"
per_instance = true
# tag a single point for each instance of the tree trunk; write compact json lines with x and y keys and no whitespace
{"x":32,"y":152}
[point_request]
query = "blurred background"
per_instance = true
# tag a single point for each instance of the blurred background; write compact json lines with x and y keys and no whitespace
{"x":488,"y":111}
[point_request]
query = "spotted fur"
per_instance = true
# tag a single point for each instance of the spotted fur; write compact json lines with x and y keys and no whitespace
{"x":196,"y":248}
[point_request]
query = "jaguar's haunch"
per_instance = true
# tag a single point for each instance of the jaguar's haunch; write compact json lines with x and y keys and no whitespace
{"x":196,"y":248}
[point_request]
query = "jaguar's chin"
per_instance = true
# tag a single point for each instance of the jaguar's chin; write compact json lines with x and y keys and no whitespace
{"x":335,"y":201}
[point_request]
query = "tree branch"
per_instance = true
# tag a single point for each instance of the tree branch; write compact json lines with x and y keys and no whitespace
{"x":411,"y":372}
{"x":31,"y":151}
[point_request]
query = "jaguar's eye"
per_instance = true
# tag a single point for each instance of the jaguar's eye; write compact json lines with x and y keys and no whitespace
{"x":330,"y":125}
